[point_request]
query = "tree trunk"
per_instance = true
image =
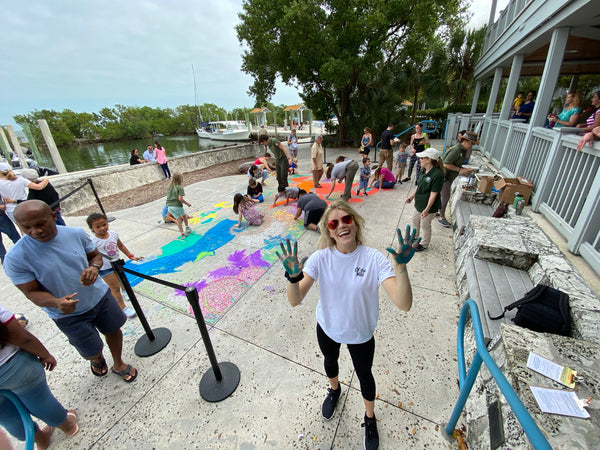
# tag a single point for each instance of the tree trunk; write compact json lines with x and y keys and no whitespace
{"x":415,"y":100}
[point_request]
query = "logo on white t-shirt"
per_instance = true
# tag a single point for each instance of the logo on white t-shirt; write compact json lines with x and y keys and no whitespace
{"x":360,"y":272}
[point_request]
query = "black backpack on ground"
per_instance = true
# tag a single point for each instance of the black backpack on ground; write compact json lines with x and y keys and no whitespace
{"x":542,"y":309}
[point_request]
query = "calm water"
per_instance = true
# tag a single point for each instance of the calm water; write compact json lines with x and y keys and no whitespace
{"x":90,"y":156}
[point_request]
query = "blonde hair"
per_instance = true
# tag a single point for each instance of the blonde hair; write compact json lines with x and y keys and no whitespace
{"x":577,"y":99}
{"x":9,"y":174}
{"x":326,"y":241}
{"x":177,"y":179}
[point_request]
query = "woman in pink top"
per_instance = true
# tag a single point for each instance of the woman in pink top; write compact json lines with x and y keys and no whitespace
{"x":383,"y":177}
{"x":161,"y":158}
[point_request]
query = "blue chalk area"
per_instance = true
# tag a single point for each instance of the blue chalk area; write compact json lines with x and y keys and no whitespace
{"x":178,"y":252}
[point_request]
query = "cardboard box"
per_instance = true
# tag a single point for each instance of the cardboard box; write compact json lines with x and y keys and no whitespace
{"x":508,"y":187}
{"x":485,"y":183}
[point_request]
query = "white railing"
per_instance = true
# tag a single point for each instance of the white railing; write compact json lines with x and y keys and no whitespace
{"x":507,"y":16}
{"x":566,"y":181}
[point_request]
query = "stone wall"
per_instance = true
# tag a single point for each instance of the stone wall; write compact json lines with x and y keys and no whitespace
{"x":116,"y":179}
{"x":518,"y":242}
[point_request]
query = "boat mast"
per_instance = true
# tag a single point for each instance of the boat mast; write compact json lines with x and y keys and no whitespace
{"x":196,"y":95}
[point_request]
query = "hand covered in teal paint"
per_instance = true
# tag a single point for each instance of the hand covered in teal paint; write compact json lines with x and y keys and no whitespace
{"x":406,"y":252}
{"x":289,"y":259}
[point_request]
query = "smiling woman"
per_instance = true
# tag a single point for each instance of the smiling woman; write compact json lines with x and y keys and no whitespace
{"x":349,"y":276}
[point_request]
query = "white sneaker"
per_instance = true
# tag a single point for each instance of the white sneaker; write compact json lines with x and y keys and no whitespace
{"x":129,"y":312}
{"x":188,"y":231}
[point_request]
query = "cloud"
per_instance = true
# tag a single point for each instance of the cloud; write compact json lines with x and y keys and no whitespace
{"x":85,"y":55}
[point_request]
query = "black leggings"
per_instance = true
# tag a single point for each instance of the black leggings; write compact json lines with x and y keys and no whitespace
{"x":362,"y":359}
{"x":414,"y":159}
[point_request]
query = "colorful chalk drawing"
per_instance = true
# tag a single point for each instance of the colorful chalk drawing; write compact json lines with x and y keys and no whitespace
{"x":213,"y":229}
{"x":223,"y":285}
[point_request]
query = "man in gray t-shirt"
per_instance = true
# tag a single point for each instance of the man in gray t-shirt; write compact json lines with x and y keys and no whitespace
{"x":313,"y":206}
{"x":344,"y":169}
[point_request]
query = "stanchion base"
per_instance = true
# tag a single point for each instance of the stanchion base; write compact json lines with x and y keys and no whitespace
{"x":146,"y":347}
{"x":212,"y":390}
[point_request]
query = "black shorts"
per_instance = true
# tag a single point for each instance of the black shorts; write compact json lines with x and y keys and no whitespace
{"x":82,"y":329}
{"x":313,"y":216}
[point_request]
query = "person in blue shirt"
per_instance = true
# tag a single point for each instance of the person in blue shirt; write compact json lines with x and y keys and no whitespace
{"x":526,"y":109}
{"x":57,"y":269}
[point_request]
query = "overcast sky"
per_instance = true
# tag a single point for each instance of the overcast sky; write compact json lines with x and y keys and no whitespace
{"x":85,"y":55}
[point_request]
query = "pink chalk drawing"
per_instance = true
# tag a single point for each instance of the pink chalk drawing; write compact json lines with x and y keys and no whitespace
{"x":225,"y":285}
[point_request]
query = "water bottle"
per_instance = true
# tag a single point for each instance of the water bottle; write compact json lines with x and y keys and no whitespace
{"x":518,"y":197}
{"x":520,"y":206}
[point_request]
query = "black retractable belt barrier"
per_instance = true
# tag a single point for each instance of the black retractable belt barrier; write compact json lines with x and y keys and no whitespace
{"x":154,"y":340}
{"x":217,"y":383}
{"x":89,"y":181}
{"x":222,"y":379}
{"x":108,"y":219}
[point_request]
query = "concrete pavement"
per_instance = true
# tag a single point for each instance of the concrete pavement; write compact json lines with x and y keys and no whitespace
{"x":242,"y":291}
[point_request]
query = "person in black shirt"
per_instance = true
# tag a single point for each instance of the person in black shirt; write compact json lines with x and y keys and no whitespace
{"x":135,"y":158}
{"x":255,"y":191}
{"x":48,"y":194}
{"x":385,"y":149}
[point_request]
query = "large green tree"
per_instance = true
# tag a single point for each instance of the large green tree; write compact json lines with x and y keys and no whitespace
{"x":334,"y":50}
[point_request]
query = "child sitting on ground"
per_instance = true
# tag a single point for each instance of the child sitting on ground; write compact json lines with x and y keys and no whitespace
{"x":292,"y":169}
{"x":255,"y":173}
{"x":365,"y":174}
{"x":109,"y":244}
{"x":255,"y":191}
{"x":175,"y":203}
{"x":400,"y":158}
{"x":244,"y":207}
{"x":287,"y":192}
{"x":167,"y":217}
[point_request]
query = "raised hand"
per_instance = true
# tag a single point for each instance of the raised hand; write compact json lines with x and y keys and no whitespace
{"x":289,"y":259}
{"x":407,"y":243}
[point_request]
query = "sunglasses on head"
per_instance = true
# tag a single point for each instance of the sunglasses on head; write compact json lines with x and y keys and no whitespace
{"x":333,"y":224}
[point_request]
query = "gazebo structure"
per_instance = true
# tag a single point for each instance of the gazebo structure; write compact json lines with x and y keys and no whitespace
{"x":544,"y":38}
{"x":261,"y":115}
{"x":295,"y":112}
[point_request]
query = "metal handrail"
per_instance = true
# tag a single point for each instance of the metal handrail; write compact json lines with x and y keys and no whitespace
{"x":466,"y":380}
{"x":25,"y":417}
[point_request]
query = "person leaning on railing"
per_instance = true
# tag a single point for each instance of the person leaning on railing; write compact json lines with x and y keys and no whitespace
{"x":593,"y":114}
{"x":590,"y":137}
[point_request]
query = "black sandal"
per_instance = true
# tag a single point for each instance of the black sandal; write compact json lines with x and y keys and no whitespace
{"x":101,"y":368}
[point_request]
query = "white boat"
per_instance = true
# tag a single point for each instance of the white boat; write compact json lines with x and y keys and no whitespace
{"x":225,"y":130}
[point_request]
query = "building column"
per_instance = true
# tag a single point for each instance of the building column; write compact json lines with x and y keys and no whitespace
{"x":476,"y":97}
{"x":556,"y":51}
{"x":511,"y":87}
{"x":494,"y":93}
{"x":492,"y":13}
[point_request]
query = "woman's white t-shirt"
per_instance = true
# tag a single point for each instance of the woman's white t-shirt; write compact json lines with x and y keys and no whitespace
{"x":348,"y":306}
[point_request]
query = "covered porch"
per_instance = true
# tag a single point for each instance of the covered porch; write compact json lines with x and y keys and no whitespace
{"x":547,"y":39}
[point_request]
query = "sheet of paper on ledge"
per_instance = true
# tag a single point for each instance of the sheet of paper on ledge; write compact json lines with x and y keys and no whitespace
{"x":550,"y":369}
{"x":564,"y":403}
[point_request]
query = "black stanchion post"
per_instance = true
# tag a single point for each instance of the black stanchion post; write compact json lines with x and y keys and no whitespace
{"x":222,"y":379}
{"x":154,"y":340}
{"x":108,"y":219}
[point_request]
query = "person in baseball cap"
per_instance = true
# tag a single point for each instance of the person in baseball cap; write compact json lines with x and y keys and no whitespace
{"x":427,"y":196}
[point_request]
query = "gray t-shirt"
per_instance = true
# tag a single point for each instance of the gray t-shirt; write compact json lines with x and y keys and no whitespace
{"x":339,"y":170}
{"x":311,"y":202}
